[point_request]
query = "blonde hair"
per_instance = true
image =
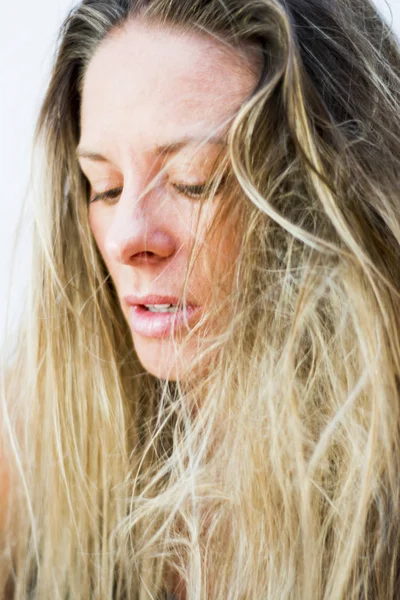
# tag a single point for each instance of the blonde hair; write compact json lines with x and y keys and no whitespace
{"x":284,"y":482}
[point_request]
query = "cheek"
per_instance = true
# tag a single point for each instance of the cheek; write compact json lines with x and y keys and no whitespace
{"x":98,"y":226}
{"x":214,"y":270}
{"x":94,"y":222}
{"x":222,"y":241}
{"x":223,"y":251}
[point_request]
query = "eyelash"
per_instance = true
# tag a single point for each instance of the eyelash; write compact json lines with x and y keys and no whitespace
{"x":195,"y":192}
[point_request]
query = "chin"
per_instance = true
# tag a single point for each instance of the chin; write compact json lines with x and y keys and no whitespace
{"x":163,"y":359}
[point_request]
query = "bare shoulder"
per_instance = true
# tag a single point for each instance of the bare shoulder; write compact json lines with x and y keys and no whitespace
{"x":11,"y":433}
{"x":6,"y":584}
{"x":4,"y":470}
{"x":4,"y":486}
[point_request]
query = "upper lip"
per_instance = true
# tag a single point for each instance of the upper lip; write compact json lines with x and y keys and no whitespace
{"x":133,"y":300}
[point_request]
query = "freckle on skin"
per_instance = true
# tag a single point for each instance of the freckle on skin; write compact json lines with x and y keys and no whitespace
{"x":161,"y":86}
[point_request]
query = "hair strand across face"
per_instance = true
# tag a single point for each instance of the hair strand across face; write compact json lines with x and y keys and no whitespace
{"x":276,"y":474}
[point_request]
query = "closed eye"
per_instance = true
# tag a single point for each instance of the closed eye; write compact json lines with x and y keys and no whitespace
{"x":198,"y":191}
{"x":192,"y":191}
{"x":108,"y":194}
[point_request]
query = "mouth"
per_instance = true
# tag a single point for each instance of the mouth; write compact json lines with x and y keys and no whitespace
{"x":160,"y":320}
{"x":159,"y":308}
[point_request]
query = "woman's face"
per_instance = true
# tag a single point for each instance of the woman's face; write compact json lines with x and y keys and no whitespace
{"x":151,"y":94}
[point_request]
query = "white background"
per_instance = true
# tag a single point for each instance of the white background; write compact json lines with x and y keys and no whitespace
{"x":27,"y":46}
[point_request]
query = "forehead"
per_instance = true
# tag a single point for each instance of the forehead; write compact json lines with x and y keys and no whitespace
{"x":146,"y":84}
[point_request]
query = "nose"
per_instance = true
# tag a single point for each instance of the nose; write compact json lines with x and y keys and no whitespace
{"x":139,"y":232}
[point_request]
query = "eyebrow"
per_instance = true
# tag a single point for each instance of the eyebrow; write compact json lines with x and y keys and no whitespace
{"x":163,"y":150}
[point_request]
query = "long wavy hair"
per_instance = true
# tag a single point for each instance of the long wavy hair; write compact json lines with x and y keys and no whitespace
{"x":284,"y":482}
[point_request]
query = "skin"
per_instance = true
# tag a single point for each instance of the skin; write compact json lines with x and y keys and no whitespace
{"x":146,"y":87}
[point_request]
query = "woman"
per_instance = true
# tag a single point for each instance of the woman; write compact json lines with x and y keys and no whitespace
{"x":204,"y":400}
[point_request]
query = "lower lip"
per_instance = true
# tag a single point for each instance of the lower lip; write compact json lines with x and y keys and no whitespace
{"x":157,"y":325}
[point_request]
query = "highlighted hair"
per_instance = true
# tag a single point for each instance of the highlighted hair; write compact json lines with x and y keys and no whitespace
{"x":277,"y":474}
